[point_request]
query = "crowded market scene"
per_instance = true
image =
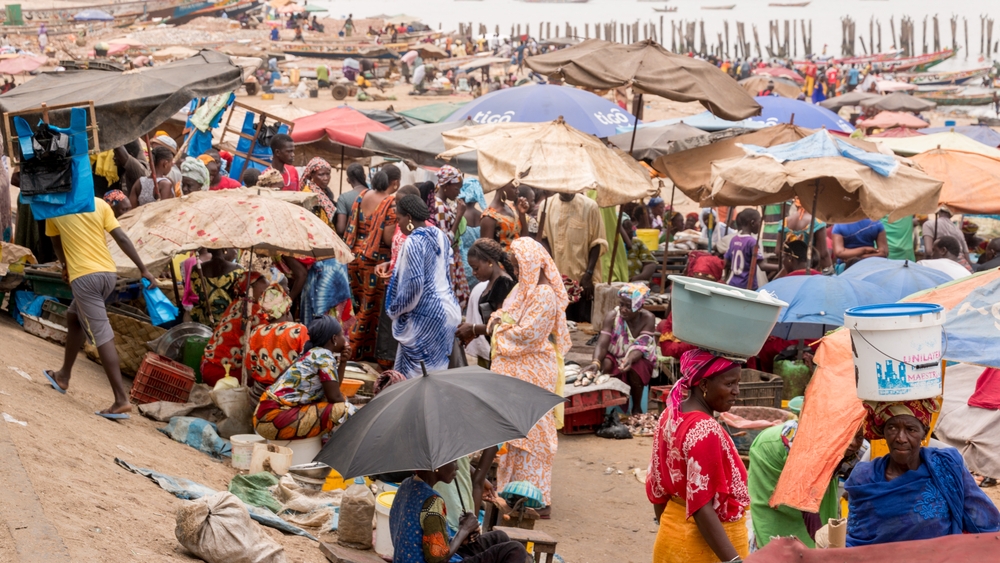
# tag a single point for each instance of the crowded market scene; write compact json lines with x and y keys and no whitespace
{"x":357,"y":288}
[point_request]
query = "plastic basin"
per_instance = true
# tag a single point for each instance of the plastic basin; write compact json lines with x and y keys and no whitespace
{"x":721,"y":318}
{"x":349,"y":387}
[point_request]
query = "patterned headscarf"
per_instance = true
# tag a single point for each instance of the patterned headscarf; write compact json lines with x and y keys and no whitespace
{"x":114,"y":196}
{"x":532,"y":259}
{"x":969,"y":227}
{"x":448,"y":174}
{"x":270,"y":178}
{"x":317,"y":164}
{"x":704,"y":264}
{"x":877,"y":414}
{"x":696,"y":365}
{"x":275,"y":302}
{"x":472,"y":192}
{"x":241,"y":283}
{"x":636,"y":292}
{"x":196,"y":170}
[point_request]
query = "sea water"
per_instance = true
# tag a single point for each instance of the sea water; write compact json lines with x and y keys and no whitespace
{"x":825,"y":16}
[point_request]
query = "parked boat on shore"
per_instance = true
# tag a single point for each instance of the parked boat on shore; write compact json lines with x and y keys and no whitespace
{"x":948,"y":98}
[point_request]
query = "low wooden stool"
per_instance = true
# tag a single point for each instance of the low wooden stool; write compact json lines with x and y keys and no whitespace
{"x":336,"y":553}
{"x":540,"y":543}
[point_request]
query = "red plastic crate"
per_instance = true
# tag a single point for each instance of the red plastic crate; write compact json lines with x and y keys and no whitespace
{"x":595,"y":399}
{"x":583,"y":422}
{"x":161,"y":379}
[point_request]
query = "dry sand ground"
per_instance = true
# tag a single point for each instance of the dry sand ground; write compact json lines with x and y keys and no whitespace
{"x":104,"y":513}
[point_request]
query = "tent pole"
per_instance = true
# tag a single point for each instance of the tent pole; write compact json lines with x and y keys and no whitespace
{"x":341,"y":190}
{"x":244,"y":320}
{"x":666,"y":244}
{"x":812,"y":232}
{"x":541,"y":220}
{"x":614,"y":249}
{"x":780,"y":246}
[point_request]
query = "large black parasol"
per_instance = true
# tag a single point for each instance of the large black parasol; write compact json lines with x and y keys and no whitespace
{"x":428,"y":421}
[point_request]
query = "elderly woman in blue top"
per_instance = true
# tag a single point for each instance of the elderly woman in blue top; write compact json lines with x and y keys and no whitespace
{"x":419,"y":529}
{"x":913,"y":493}
{"x":420,"y":300}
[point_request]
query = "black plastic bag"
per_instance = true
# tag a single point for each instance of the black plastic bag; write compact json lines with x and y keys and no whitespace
{"x":50,"y":169}
{"x":267,"y":133}
{"x":614,"y":429}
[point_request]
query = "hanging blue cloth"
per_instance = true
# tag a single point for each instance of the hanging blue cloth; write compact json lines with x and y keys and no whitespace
{"x":327,"y":286}
{"x":80,"y":198}
{"x":201,"y":141}
{"x":243,"y":145}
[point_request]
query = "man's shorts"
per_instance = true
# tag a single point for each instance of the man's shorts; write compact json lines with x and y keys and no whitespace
{"x":89,"y":293}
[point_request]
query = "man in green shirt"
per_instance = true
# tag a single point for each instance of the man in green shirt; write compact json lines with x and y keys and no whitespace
{"x":899,"y":235}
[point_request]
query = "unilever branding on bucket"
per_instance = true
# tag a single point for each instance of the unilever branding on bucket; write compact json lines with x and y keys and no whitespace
{"x":897,"y":350}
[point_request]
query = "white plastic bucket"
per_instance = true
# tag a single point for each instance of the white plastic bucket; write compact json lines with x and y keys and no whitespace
{"x":243,"y":449}
{"x":303,"y":451}
{"x":383,"y":539}
{"x":897,"y":350}
{"x":270,"y":457}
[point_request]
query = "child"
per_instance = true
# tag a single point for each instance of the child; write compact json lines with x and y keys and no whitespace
{"x":741,"y":250}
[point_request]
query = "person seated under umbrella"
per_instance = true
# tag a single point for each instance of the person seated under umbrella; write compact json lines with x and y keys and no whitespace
{"x":914,"y":493}
{"x":305,"y":401}
{"x":419,"y":529}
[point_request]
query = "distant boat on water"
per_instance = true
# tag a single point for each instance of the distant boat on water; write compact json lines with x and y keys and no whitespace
{"x":666,"y":9}
{"x":556,"y":1}
{"x":789,"y":4}
{"x":729,"y":7}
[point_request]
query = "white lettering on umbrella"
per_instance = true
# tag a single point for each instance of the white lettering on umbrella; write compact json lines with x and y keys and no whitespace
{"x":490,"y":117}
{"x":613,"y":117}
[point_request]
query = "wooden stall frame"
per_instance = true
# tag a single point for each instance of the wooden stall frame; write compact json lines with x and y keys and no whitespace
{"x":11,"y":138}
{"x":264,"y":117}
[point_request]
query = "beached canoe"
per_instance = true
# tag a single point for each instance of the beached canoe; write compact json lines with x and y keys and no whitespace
{"x":729,"y":7}
{"x":666,"y":9}
{"x":789,"y":4}
{"x":954,"y":78}
{"x":955,"y":99}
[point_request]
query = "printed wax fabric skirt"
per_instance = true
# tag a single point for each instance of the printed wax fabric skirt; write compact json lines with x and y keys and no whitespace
{"x":275,"y":421}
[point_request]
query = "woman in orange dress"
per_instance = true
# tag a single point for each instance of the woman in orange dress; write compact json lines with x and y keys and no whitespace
{"x":530,"y":338}
{"x":369,"y":234}
{"x":501,"y":222}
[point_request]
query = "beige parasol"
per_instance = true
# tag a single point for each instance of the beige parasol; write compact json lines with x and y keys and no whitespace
{"x":240,"y":218}
{"x":550,"y":156}
{"x":847,"y":190}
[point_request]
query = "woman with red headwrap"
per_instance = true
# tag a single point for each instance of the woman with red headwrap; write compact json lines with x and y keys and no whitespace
{"x":697,"y":482}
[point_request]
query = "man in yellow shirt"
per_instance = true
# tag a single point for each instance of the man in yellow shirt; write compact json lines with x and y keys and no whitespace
{"x":79,"y":243}
{"x":574,"y":234}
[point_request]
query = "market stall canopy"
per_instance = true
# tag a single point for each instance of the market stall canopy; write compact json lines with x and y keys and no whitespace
{"x":542,"y":103}
{"x":93,"y":15}
{"x":340,"y":127}
{"x":429,"y":51}
{"x":950,"y":141}
{"x":550,"y":156}
{"x":652,"y":142}
{"x":782,"y":87}
{"x":133,"y":103}
{"x":970,"y":179}
{"x":899,"y":102}
{"x":480,"y":62}
{"x":850,"y":99}
{"x":704,"y":121}
{"x":390,"y":117}
{"x":832,"y":411}
{"x":240,"y":218}
{"x":560,"y":42}
{"x":312,"y":8}
{"x":890,"y":119}
{"x":422,"y":145}
{"x":983,"y":134}
{"x":899,"y":278}
{"x":648,"y":68}
{"x":22,"y":64}
{"x":691,"y":170}
{"x":780,"y":72}
{"x":175,"y":52}
{"x":851,"y":184}
{"x":887,"y":86}
{"x":433,"y":113}
{"x":775,"y":110}
{"x":896,"y":133}
{"x":816,"y":304}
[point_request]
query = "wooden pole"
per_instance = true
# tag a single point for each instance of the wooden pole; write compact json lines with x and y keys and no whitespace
{"x":614,"y":247}
{"x":341,"y":191}
{"x":666,"y":244}
{"x":812,"y":232}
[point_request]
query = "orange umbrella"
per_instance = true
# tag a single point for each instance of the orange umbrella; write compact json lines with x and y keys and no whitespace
{"x":970,"y":179}
{"x":889,"y":119}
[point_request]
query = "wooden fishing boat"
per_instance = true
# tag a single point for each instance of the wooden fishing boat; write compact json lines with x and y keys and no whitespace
{"x":176,"y":11}
{"x":789,"y":4}
{"x":729,"y":7}
{"x":892,"y":62}
{"x":666,"y":9}
{"x":953,"y":78}
{"x":957,"y":99}
{"x":340,"y":52}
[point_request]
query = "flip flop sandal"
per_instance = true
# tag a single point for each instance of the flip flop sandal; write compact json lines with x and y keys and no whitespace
{"x":52,"y":381}
{"x":112,"y":416}
{"x":987,"y":483}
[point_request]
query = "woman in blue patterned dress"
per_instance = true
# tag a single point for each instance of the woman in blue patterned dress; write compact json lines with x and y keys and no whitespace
{"x":420,"y":300}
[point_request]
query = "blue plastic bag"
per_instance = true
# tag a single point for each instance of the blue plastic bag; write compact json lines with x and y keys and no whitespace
{"x":161,"y":310}
{"x":80,"y":199}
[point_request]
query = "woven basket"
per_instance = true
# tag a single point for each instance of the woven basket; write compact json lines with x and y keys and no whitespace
{"x":131,"y":336}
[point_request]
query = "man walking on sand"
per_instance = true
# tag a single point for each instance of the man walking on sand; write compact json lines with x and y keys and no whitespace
{"x":79,"y":243}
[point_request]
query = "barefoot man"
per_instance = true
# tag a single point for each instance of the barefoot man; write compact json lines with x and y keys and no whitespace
{"x":80,"y":245}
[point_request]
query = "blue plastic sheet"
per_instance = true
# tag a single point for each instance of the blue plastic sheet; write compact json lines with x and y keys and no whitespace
{"x":821,"y":144}
{"x":972,"y":328}
{"x":189,"y":490}
{"x":28,"y":303}
{"x":198,"y":433}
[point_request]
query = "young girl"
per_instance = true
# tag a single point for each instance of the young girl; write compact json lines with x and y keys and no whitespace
{"x":741,"y":251}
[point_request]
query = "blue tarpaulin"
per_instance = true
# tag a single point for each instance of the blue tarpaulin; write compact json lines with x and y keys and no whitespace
{"x":821,"y":144}
{"x":972,"y":328}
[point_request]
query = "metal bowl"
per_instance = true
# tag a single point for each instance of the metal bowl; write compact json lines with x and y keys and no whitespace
{"x":314,"y":470}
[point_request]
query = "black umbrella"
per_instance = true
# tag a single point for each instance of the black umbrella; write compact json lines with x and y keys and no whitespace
{"x":421,"y":144}
{"x":429,"y":421}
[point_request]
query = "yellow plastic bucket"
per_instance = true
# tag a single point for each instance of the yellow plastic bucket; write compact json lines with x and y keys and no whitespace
{"x":649,"y":237}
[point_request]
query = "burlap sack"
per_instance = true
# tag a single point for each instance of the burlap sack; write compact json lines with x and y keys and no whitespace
{"x":218,"y":529}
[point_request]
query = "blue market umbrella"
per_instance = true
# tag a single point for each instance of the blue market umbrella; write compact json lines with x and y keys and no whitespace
{"x":428,"y":421}
{"x":899,"y":278}
{"x":582,"y":110}
{"x":777,"y":110}
{"x":971,"y":328}
{"x":816,"y":304}
{"x":981,"y":133}
{"x":93,"y":15}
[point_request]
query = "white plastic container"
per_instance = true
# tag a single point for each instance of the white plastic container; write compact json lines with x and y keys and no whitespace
{"x":270,"y":457}
{"x":722,"y":318}
{"x":243,"y":449}
{"x":303,"y":451}
{"x":383,"y":539}
{"x":897,"y":350}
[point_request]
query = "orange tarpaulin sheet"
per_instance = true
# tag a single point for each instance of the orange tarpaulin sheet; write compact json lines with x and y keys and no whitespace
{"x":967,"y":548}
{"x":832,"y":412}
{"x":970,"y":179}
